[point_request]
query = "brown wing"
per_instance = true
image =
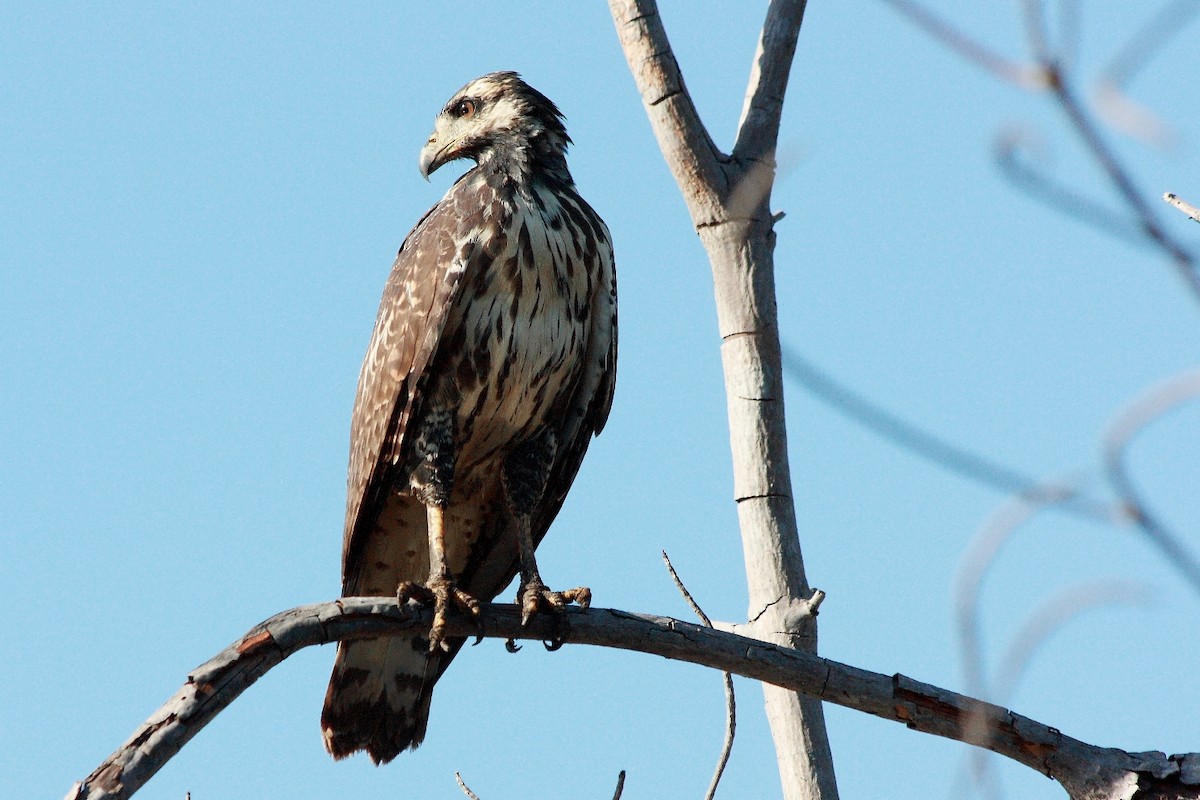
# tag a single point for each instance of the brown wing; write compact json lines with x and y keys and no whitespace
{"x":423,"y":286}
{"x":379,"y":692}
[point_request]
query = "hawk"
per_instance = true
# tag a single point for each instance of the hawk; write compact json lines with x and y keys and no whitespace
{"x":490,"y":368}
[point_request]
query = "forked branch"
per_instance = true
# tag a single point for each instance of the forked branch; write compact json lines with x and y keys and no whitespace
{"x":1056,"y":78}
{"x":728,"y":199}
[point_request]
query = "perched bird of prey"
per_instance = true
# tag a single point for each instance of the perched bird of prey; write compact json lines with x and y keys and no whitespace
{"x":490,"y":368}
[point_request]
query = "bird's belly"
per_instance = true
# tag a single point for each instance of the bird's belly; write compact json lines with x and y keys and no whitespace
{"x":520,"y":365}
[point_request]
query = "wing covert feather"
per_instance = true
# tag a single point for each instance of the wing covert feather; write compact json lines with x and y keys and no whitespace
{"x":424,"y":284}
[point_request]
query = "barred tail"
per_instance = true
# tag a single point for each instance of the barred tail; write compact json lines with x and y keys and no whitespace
{"x":378,"y":697}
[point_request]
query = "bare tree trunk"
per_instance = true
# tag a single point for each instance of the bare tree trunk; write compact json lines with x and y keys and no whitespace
{"x":728,"y":197}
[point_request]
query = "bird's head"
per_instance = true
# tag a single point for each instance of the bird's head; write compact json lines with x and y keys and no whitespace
{"x":498,"y":120}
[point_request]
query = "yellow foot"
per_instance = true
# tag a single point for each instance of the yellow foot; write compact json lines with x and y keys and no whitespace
{"x":439,"y":593}
{"x":534,"y":597}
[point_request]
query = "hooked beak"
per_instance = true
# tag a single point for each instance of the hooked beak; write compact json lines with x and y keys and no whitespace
{"x":432,"y":156}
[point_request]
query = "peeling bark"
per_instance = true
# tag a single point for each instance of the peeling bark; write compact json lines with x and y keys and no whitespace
{"x":1086,"y":772}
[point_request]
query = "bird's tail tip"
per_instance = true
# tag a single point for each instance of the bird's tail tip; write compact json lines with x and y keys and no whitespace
{"x":377,"y":701}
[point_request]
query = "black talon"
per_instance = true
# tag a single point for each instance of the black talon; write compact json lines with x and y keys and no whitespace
{"x":480,"y":631}
{"x":512,"y":646}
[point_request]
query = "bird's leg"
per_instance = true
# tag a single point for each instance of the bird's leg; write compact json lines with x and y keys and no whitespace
{"x":440,"y":584}
{"x":439,"y":590}
{"x":526,"y":473}
{"x":431,"y":482}
{"x":533,"y":596}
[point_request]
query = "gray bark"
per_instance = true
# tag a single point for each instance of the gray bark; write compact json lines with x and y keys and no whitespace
{"x":1087,"y":772}
{"x":728,"y":197}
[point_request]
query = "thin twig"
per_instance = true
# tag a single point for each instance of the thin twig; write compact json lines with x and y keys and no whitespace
{"x":465,"y":789}
{"x":981,"y":553}
{"x":1109,"y":95}
{"x":979,"y":556}
{"x":1039,"y":627}
{"x":1134,"y":418}
{"x":1024,"y":75}
{"x":1073,"y":204}
{"x":1068,"y":33}
{"x":730,"y":700}
{"x":691,"y":601}
{"x":1183,"y":205}
{"x":1065,"y":606}
{"x":1089,"y":134}
{"x":1170,"y":19}
{"x":928,"y":445}
{"x":1035,"y":31}
{"x":620,"y":785}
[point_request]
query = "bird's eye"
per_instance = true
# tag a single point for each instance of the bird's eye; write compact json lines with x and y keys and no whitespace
{"x":465,"y":109}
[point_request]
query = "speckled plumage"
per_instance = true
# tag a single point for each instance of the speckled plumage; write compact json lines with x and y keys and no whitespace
{"x":496,"y":332}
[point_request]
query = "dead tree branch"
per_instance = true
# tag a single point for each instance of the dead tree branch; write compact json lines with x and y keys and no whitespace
{"x":1058,"y":81}
{"x":1039,"y":184}
{"x":928,"y":445}
{"x":730,"y":697}
{"x":1109,"y":94}
{"x":728,"y":196}
{"x":1026,"y":76}
{"x":463,"y":786}
{"x":1151,"y":406}
{"x":1087,"y":772}
{"x":1122,"y":182}
{"x":1183,"y":205}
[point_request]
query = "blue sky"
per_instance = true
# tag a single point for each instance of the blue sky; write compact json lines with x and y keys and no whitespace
{"x":198,"y":208}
